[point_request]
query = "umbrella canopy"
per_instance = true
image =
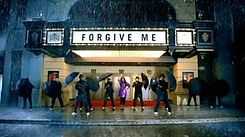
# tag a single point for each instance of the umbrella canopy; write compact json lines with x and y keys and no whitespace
{"x":153,"y":84}
{"x":93,"y":83}
{"x":145,"y":80}
{"x":71,"y":77}
{"x":104,"y":76}
{"x":172,"y":82}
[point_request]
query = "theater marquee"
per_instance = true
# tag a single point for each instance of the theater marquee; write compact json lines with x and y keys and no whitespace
{"x":118,"y":36}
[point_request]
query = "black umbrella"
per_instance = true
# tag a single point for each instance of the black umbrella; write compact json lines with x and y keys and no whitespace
{"x":93,"y":83}
{"x":145,"y":80}
{"x":172,"y":82}
{"x":153,"y":85}
{"x":71,"y":77}
{"x":104,"y":76}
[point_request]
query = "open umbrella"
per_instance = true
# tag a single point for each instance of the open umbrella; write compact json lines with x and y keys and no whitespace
{"x":71,"y":77}
{"x":145,"y":80}
{"x":93,"y":83}
{"x":104,"y":76}
{"x":171,"y":81}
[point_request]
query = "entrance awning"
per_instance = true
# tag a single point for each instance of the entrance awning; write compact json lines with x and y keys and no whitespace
{"x":131,"y":60}
{"x":164,"y":59}
{"x":119,"y":53}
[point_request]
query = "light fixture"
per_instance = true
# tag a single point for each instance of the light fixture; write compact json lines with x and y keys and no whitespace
{"x":119,"y":53}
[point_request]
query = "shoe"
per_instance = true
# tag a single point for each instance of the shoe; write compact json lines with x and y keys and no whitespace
{"x":73,"y":113}
{"x":92,"y":109}
{"x":169,"y":113}
{"x":211,"y":107}
{"x":87,"y":114}
{"x":166,"y":109}
{"x":121,"y":109}
{"x":51,"y":109}
{"x":113,"y":108}
{"x":142,"y":109}
{"x":134,"y":109}
{"x":103,"y":108}
{"x":155,"y":113}
{"x":221,"y":107}
{"x":80,"y":109}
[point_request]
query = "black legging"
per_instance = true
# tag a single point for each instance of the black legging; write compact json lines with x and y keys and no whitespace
{"x":122,"y":101}
{"x":60,"y":100}
{"x":82,"y":100}
{"x":163,"y":97}
{"x":89,"y":99}
{"x":29,"y":99}
{"x":111,"y":98}
{"x":194,"y":97}
{"x":141,"y":100}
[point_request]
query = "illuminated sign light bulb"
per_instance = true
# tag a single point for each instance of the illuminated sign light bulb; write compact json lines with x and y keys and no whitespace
{"x":119,"y":53}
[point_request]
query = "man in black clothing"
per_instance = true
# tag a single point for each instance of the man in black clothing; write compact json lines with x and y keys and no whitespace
{"x":55,"y":88}
{"x":82,"y":97}
{"x":138,"y":93}
{"x":162,"y":95}
{"x":109,"y":94}
{"x":25,"y":89}
{"x":194,"y":87}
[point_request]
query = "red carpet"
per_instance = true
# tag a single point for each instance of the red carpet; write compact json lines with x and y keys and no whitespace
{"x":99,"y":103}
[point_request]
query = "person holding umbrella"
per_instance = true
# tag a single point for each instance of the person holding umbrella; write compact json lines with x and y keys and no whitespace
{"x":108,"y":94}
{"x":82,"y":97}
{"x":138,"y":93}
{"x":161,"y":91}
{"x":123,"y":91}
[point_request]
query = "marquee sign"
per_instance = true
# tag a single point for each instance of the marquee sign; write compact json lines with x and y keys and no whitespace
{"x":185,"y":37}
{"x":118,"y":36}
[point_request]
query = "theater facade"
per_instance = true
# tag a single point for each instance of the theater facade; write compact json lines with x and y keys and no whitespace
{"x":123,"y":38}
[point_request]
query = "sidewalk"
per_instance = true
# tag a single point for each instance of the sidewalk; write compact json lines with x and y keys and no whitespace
{"x":181,"y":115}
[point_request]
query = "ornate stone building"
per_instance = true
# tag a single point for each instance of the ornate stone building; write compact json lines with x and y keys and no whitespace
{"x":39,"y":37}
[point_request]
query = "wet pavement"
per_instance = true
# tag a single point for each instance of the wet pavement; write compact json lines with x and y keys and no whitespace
{"x":181,"y":112}
{"x":187,"y":130}
{"x":185,"y":122}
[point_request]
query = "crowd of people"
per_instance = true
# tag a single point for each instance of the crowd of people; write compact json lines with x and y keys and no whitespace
{"x":53,"y":89}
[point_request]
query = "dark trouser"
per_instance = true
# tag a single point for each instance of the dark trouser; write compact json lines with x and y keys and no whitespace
{"x":122,"y":101}
{"x":212,"y":100}
{"x":189,"y":99}
{"x":164,"y":98}
{"x":60,"y":100}
{"x":111,"y":98}
{"x":82,"y":100}
{"x":89,"y":100}
{"x":29,"y":99}
{"x":220,"y":100}
{"x":141,"y":99}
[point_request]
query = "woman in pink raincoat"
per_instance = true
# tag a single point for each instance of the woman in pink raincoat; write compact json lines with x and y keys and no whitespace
{"x":123,"y":90}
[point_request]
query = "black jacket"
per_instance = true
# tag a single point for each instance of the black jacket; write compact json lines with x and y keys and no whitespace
{"x":82,"y":87}
{"x":54,"y":88}
{"x":138,"y":87}
{"x":25,"y":87}
{"x":109,"y":88}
